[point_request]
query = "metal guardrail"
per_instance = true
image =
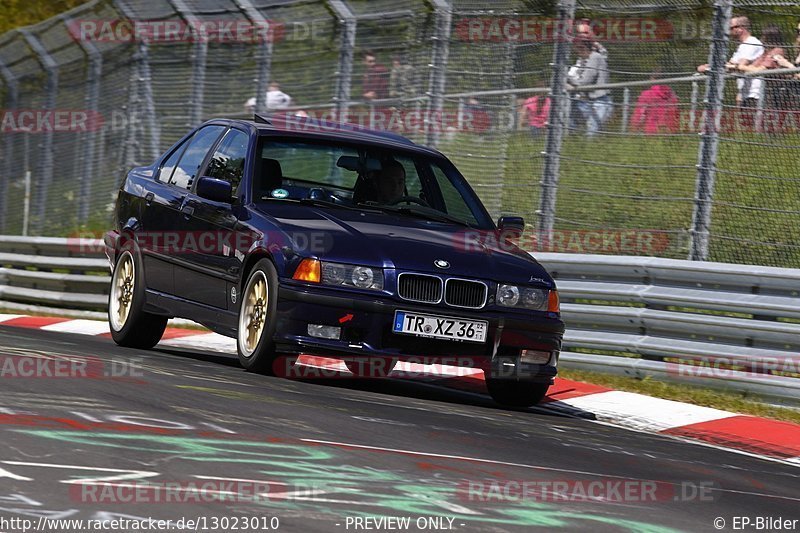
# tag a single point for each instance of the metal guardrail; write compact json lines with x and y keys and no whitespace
{"x":52,"y":271}
{"x":711,"y":324}
{"x":716,"y":324}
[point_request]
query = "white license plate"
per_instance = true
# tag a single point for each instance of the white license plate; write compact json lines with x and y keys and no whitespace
{"x":440,"y":327}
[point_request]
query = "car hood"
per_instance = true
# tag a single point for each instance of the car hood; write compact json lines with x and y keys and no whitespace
{"x":403,"y":242}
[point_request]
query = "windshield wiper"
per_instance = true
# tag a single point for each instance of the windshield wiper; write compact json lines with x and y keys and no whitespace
{"x":430,"y":214}
{"x":327,"y":203}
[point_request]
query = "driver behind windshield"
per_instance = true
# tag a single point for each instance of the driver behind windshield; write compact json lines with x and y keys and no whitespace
{"x":390,"y":182}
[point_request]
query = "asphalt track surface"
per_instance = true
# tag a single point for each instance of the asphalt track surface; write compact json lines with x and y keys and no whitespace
{"x":330,"y":451}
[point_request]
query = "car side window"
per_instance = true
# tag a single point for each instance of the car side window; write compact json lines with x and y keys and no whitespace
{"x":228,"y":160}
{"x":202,"y":141}
{"x":169,"y":165}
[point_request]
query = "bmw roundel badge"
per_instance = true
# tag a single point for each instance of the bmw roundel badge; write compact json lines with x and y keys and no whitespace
{"x":441,"y":263}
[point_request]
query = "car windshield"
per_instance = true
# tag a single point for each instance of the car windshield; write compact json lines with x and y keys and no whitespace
{"x":403,"y":183}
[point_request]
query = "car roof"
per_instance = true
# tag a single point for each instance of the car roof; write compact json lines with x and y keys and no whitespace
{"x":317,"y":129}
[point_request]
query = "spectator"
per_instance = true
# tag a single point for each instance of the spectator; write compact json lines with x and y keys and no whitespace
{"x":656,"y":110}
{"x":375,"y":83}
{"x":400,"y":79}
{"x":785,"y":63}
{"x":537,"y":110}
{"x":584,"y":31}
{"x":276,"y":99}
{"x":772,"y":39}
{"x":749,"y":49}
{"x":594,"y":106}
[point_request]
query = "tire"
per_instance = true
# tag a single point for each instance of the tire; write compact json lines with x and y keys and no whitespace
{"x":130,"y":325}
{"x":516,"y":393}
{"x":371,"y":367}
{"x":258,"y":319}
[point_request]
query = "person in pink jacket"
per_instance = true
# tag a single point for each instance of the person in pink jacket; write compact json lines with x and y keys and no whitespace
{"x":656,"y":111}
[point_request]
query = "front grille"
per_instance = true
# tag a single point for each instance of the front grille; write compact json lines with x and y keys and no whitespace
{"x":465,"y":293}
{"x":420,"y":288}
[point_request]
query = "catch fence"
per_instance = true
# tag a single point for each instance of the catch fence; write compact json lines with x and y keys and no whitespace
{"x":112,"y":84}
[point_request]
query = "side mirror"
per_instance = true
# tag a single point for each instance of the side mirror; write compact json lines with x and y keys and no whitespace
{"x":512,"y":227}
{"x":214,"y":189}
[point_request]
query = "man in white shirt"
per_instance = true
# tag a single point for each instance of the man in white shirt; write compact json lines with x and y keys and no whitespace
{"x":276,"y":99}
{"x":749,"y":49}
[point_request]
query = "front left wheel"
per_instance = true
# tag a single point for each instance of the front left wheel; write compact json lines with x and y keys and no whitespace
{"x":130,"y":325}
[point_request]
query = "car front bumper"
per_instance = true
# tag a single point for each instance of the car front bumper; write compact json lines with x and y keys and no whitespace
{"x":366,"y":330}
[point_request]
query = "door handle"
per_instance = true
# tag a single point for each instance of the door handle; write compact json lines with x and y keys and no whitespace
{"x":148,"y":198}
{"x":187,"y":212}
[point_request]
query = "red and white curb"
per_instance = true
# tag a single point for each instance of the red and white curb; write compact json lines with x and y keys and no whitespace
{"x":749,"y":434}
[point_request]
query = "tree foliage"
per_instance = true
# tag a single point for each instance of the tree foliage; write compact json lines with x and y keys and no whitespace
{"x":18,"y":13}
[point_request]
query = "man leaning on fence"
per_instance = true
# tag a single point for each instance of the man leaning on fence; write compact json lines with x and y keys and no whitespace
{"x":594,"y":106}
{"x":750,"y":48}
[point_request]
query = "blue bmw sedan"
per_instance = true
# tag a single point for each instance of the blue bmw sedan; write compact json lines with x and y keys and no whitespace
{"x":303,"y":237}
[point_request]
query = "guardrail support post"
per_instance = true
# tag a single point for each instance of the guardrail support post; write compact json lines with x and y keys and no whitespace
{"x":12,"y":100}
{"x":709,"y":141}
{"x":559,"y":109}
{"x":45,"y":177}
{"x":438,"y":77}
{"x":344,"y":76}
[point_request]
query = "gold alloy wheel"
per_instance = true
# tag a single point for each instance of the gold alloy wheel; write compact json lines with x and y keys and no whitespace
{"x":253,"y":313}
{"x":122,"y":287}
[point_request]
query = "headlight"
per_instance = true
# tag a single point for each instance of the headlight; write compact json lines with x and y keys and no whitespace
{"x":352,"y":276}
{"x":508,"y":295}
{"x":524,"y":297}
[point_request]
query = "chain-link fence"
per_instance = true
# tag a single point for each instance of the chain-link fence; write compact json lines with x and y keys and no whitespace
{"x":587,"y":118}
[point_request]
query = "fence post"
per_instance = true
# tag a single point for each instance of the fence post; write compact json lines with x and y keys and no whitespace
{"x":626,"y":109}
{"x":199,"y":57}
{"x":438,"y":78}
{"x":146,"y":80}
{"x":128,"y":153}
{"x":45,"y":177}
{"x":559,"y":109}
{"x":709,"y":135}
{"x":762,"y":95}
{"x":92,"y":98}
{"x":344,"y":78}
{"x":12,"y":100}
{"x":693,"y":105}
{"x":263,"y":52}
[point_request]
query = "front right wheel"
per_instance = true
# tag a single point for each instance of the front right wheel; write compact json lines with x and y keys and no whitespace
{"x":258,"y":320}
{"x":516,"y":393}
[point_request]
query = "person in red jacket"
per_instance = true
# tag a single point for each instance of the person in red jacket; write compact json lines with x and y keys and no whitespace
{"x":537,"y":111}
{"x":656,"y":111}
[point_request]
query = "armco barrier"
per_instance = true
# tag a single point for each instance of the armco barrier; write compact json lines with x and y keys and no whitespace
{"x":715,"y":324}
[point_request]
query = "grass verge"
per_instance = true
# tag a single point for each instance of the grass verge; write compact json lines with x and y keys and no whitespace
{"x":728,"y":401}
